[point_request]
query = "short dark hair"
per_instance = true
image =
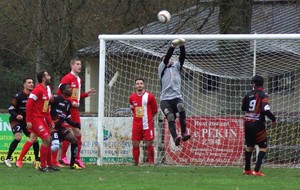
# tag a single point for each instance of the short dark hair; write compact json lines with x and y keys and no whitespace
{"x":40,"y":75}
{"x":63,"y":87}
{"x":140,"y":78}
{"x":258,"y":80}
{"x":27,"y":78}
{"x":74,"y":59}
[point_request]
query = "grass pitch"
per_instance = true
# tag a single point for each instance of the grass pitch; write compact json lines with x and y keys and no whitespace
{"x":147,"y":177}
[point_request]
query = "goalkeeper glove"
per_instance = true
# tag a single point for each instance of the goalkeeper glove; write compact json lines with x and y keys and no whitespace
{"x":176,"y":42}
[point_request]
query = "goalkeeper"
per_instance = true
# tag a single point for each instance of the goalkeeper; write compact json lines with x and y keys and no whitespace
{"x":171,"y":102}
{"x":256,"y":105}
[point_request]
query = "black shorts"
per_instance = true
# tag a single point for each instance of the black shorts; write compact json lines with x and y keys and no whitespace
{"x":255,"y":134}
{"x":170,"y":106}
{"x":19,"y":127}
{"x":61,"y":131}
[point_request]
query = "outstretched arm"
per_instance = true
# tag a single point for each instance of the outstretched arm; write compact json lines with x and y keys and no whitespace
{"x":182,"y":55}
{"x":174,"y":44}
{"x":168,"y":55}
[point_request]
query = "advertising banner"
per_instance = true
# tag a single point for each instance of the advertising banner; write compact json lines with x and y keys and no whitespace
{"x":6,"y":137}
{"x":116,"y":140}
{"x":215,"y":141}
{"x":116,"y":145}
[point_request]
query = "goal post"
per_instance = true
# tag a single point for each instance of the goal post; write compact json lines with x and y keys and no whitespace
{"x":216,"y":75}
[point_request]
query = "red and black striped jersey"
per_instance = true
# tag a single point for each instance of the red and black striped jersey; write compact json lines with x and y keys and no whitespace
{"x":256,"y":105}
{"x":18,"y":106}
{"x":60,"y":110}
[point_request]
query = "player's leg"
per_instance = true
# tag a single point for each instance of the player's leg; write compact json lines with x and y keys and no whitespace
{"x":261,"y":141}
{"x":249,"y":142}
{"x":248,"y":155}
{"x":168,"y":111}
{"x":149,"y":137}
{"x":72,"y":139}
{"x":182,"y":119}
{"x":136,"y":138}
{"x":75,"y":115}
{"x":40,"y":128}
{"x":32,"y":139}
{"x":77,"y":134}
{"x":36,"y":148}
{"x":150,"y":151}
{"x":136,"y":152}
{"x":64,"y":148}
{"x":17,"y":131}
{"x":55,"y":142}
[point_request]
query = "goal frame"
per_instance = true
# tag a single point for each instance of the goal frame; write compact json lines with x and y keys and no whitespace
{"x":102,"y":55}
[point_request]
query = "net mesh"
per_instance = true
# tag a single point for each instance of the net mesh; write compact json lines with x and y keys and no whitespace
{"x":216,"y":76}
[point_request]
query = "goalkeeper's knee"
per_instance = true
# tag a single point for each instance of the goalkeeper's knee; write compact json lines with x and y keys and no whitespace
{"x":180,"y":107}
{"x":170,"y":117}
{"x":54,"y":145}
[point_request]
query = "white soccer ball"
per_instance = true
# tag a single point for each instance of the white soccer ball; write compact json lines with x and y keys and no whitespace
{"x":164,"y":16}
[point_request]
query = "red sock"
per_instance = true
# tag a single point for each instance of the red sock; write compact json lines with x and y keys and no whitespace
{"x":43,"y":155}
{"x":24,"y":150}
{"x":136,"y":154}
{"x":64,"y":148}
{"x":54,"y":156}
{"x":49,"y":156}
{"x":151,"y":154}
{"x":79,"y":145}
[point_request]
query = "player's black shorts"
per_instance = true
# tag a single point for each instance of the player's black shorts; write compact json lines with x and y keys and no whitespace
{"x":255,"y":134}
{"x":170,"y":106}
{"x":19,"y":127}
{"x":61,"y":131}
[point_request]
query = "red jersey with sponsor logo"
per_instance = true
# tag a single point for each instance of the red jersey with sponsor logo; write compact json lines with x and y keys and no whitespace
{"x":144,"y":108}
{"x":37,"y":105}
{"x":75,"y":83}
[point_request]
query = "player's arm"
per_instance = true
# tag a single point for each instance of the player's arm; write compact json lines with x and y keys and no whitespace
{"x":153,"y":105}
{"x":267,"y":109}
{"x":182,"y":53}
{"x":12,"y":107}
{"x":169,"y":54}
{"x":70,"y":121}
{"x":88,"y":93}
{"x":270,"y":115}
{"x":49,"y":119}
{"x":131,"y":104}
{"x":244,"y":104}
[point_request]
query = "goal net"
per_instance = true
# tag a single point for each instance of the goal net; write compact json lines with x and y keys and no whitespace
{"x":216,"y":75}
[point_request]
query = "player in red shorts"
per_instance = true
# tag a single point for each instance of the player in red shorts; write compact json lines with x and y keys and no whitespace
{"x":74,"y":81}
{"x":39,"y":120}
{"x":144,"y":107}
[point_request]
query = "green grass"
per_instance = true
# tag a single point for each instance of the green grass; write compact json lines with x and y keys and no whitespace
{"x":147,"y":177}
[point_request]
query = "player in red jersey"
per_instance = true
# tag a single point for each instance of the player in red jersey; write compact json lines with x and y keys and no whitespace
{"x":256,"y":105}
{"x":144,"y":107}
{"x":74,"y":81}
{"x":39,"y":120}
{"x":17,"y":110}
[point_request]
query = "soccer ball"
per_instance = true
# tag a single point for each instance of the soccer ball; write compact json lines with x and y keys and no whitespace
{"x":164,"y":16}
